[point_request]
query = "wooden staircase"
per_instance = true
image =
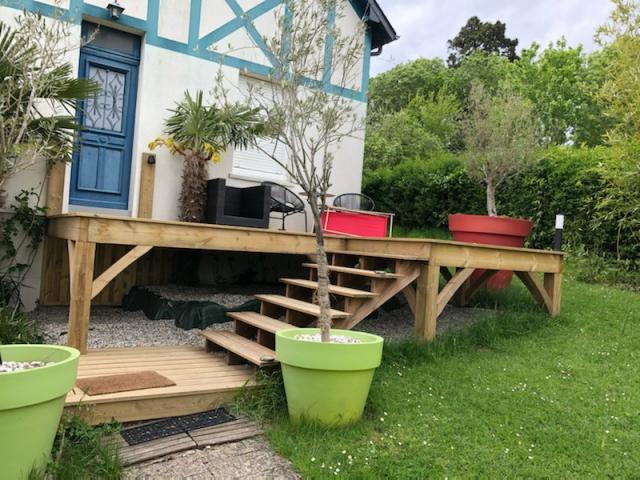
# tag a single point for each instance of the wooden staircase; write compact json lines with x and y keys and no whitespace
{"x":361,"y":283}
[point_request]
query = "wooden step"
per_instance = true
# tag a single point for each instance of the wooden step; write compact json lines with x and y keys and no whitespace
{"x":356,"y":271}
{"x":243,"y":347}
{"x":262,"y":322}
{"x":393,"y":256}
{"x":299,"y":305}
{"x":334,"y":289}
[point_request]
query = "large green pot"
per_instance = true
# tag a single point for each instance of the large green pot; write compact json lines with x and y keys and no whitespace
{"x":31,"y":403}
{"x":327,"y":383}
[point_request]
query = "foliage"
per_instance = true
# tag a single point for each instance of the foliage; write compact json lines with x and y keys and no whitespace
{"x":487,"y":37}
{"x":489,"y":70}
{"x":38,"y":94}
{"x":621,"y":39}
{"x":422,"y":192}
{"x":14,"y":327}
{"x":619,"y":205}
{"x":304,"y":116}
{"x":572,"y":181}
{"x":562,"y":84}
{"x":392,"y":90}
{"x":80,"y":451}
{"x":500,"y":137}
{"x":508,"y":396}
{"x":199,"y":133}
{"x":21,"y":233}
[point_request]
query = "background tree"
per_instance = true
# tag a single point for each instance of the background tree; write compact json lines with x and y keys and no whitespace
{"x":392,"y":90}
{"x":305,"y":117}
{"x":620,"y":38}
{"x":500,"y":137}
{"x":200,"y":133}
{"x":562,"y":84}
{"x":484,"y":36}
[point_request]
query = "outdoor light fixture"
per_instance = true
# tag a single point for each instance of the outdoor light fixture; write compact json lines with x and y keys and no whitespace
{"x":115,"y":9}
{"x":557,"y":244}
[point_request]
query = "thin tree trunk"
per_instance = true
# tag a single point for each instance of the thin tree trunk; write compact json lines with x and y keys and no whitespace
{"x":193,"y":197}
{"x":491,"y":198}
{"x":324,"y":301}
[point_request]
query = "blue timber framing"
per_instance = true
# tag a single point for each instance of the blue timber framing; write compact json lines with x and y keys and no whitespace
{"x":199,"y":47}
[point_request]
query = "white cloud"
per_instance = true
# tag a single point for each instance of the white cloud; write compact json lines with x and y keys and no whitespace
{"x":425,"y":26}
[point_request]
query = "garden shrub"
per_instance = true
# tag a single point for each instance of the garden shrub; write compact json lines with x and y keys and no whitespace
{"x":577,"y":182}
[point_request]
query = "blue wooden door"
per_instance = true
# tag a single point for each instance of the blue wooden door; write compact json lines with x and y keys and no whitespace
{"x":101,"y":170}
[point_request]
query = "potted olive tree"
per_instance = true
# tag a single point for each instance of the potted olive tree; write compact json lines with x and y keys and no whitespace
{"x":327,"y":372}
{"x":500,"y":134}
{"x":200,"y":133}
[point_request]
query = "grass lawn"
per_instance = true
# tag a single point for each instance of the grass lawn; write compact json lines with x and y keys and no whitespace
{"x":517,"y":395}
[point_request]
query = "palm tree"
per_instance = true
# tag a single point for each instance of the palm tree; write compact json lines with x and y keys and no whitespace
{"x":38,"y":96}
{"x":199,"y":133}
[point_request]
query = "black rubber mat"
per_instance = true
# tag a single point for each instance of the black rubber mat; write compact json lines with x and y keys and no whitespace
{"x":173,"y":426}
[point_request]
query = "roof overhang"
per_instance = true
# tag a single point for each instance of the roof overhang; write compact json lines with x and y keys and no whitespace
{"x":382,"y":32}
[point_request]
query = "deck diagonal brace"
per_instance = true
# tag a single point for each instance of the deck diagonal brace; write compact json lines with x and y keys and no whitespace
{"x":537,"y":290}
{"x":450,"y":289}
{"x":114,"y":270}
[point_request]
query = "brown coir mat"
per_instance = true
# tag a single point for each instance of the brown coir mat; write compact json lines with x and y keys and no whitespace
{"x":123,"y":383}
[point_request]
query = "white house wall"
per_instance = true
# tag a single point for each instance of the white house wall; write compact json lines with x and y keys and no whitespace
{"x":176,"y":58}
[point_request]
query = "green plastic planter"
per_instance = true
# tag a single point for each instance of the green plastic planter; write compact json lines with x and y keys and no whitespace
{"x":31,"y":403}
{"x":327,"y":383}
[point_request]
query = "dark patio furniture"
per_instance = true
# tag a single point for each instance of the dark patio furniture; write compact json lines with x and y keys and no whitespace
{"x":285,"y":202}
{"x":355,"y":201}
{"x":240,"y":207}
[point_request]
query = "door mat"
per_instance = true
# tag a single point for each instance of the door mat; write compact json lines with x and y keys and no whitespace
{"x":175,"y":425}
{"x":123,"y":382}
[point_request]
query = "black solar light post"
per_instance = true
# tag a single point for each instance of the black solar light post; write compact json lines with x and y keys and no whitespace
{"x":559,"y":227}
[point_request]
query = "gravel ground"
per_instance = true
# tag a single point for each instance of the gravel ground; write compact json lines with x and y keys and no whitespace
{"x":249,"y":459}
{"x":231,"y":296}
{"x":115,"y":327}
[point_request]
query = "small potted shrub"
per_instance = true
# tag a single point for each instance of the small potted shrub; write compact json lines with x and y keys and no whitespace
{"x":34,"y":381}
{"x":501,"y":140}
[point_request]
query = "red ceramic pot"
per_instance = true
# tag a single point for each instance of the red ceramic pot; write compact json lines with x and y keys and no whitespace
{"x":503,"y":231}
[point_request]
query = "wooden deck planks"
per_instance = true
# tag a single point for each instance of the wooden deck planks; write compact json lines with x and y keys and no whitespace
{"x":203,"y":380}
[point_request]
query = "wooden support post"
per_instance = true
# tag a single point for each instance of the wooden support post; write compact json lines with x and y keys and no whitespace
{"x":147,"y":185}
{"x":82,"y":256}
{"x":553,"y":287}
{"x":427,"y":302}
{"x":55,"y":187}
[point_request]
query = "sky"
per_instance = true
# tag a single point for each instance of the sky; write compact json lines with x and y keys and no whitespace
{"x":425,"y":26}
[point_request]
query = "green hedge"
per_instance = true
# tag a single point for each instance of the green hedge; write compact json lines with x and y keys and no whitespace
{"x":571,"y":181}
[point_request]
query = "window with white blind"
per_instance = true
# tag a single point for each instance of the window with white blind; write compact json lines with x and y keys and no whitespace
{"x":253,"y":162}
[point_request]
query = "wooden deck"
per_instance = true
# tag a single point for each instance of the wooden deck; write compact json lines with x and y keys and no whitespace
{"x":203,"y":381}
{"x":424,"y":262}
{"x":368,"y":272}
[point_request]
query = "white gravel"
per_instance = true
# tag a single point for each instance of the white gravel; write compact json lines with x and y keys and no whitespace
{"x":115,"y":327}
{"x":317,"y":338}
{"x":15,"y":366}
{"x":232,"y":296}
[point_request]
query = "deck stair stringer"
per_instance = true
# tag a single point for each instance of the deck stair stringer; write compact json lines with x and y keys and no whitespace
{"x":360,"y":283}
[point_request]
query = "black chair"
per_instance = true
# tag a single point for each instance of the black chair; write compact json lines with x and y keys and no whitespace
{"x":285,"y":202}
{"x":241,"y":207}
{"x":354,"y":201}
